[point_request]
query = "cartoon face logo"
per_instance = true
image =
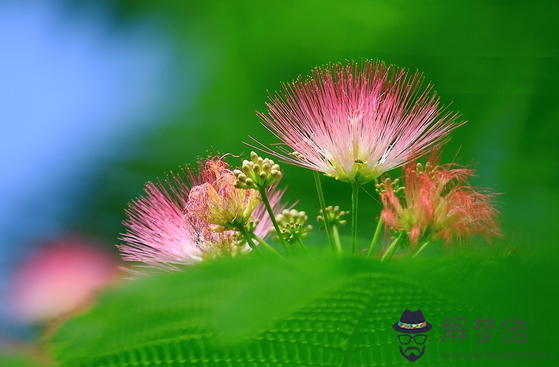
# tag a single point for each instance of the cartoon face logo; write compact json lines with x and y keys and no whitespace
{"x":412,"y":328}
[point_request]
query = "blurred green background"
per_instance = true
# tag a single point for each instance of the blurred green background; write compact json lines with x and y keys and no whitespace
{"x":497,"y":62}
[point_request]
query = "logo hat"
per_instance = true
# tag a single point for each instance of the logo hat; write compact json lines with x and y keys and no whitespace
{"x":412,"y":323}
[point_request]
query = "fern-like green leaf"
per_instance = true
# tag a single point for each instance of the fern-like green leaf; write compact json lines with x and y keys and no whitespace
{"x":298,"y":312}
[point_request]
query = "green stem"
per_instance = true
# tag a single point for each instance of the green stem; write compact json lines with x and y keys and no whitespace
{"x":336,"y":236}
{"x":354,"y":198}
{"x":392,"y":248}
{"x":421,"y":248}
{"x":374,"y":242}
{"x":273,"y":218}
{"x":327,"y":223}
{"x":266,"y":245}
{"x":303,"y":247}
{"x":247,"y":238}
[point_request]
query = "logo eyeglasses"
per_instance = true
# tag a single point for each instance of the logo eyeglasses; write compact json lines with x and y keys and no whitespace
{"x":418,"y":339}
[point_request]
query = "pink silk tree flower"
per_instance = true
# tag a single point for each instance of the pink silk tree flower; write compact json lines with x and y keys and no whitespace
{"x":183,"y":220}
{"x":156,"y":233}
{"x":62,"y":277}
{"x":219,"y":202}
{"x":355,"y":123}
{"x":436,"y":203}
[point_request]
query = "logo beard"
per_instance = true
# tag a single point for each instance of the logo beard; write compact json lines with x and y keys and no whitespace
{"x":412,"y":357}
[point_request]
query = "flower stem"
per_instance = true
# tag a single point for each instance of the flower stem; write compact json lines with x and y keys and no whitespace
{"x":266,"y":245}
{"x":303,"y":247}
{"x":336,"y":237}
{"x":242,"y":230}
{"x":421,"y":248}
{"x":392,"y":248}
{"x":273,"y":218}
{"x":374,"y":242}
{"x":354,"y":197}
{"x":327,"y":223}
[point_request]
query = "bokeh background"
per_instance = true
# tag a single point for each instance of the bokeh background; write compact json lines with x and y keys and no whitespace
{"x":98,"y":97}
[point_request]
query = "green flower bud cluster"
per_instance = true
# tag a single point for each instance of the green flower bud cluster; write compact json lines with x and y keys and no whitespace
{"x":257,"y":173}
{"x":334,"y":216}
{"x":292,"y":225}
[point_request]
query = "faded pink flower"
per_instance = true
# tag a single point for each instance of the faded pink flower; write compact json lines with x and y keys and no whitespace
{"x":219,"y":202}
{"x":186,"y":218}
{"x":62,"y":276}
{"x":438,"y":204}
{"x":354,"y":124}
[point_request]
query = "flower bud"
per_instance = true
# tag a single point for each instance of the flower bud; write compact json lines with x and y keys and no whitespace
{"x":292,"y":225}
{"x":333,"y":216}
{"x":257,"y":173}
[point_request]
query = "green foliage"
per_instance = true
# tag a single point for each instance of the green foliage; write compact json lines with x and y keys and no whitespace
{"x":18,"y":359}
{"x":300,"y":312}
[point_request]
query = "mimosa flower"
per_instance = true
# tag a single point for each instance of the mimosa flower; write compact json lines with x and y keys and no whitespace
{"x":219,"y":202}
{"x":190,"y":216}
{"x":436,"y":203}
{"x":156,"y":232}
{"x":354,"y":124}
{"x":63,"y":276}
